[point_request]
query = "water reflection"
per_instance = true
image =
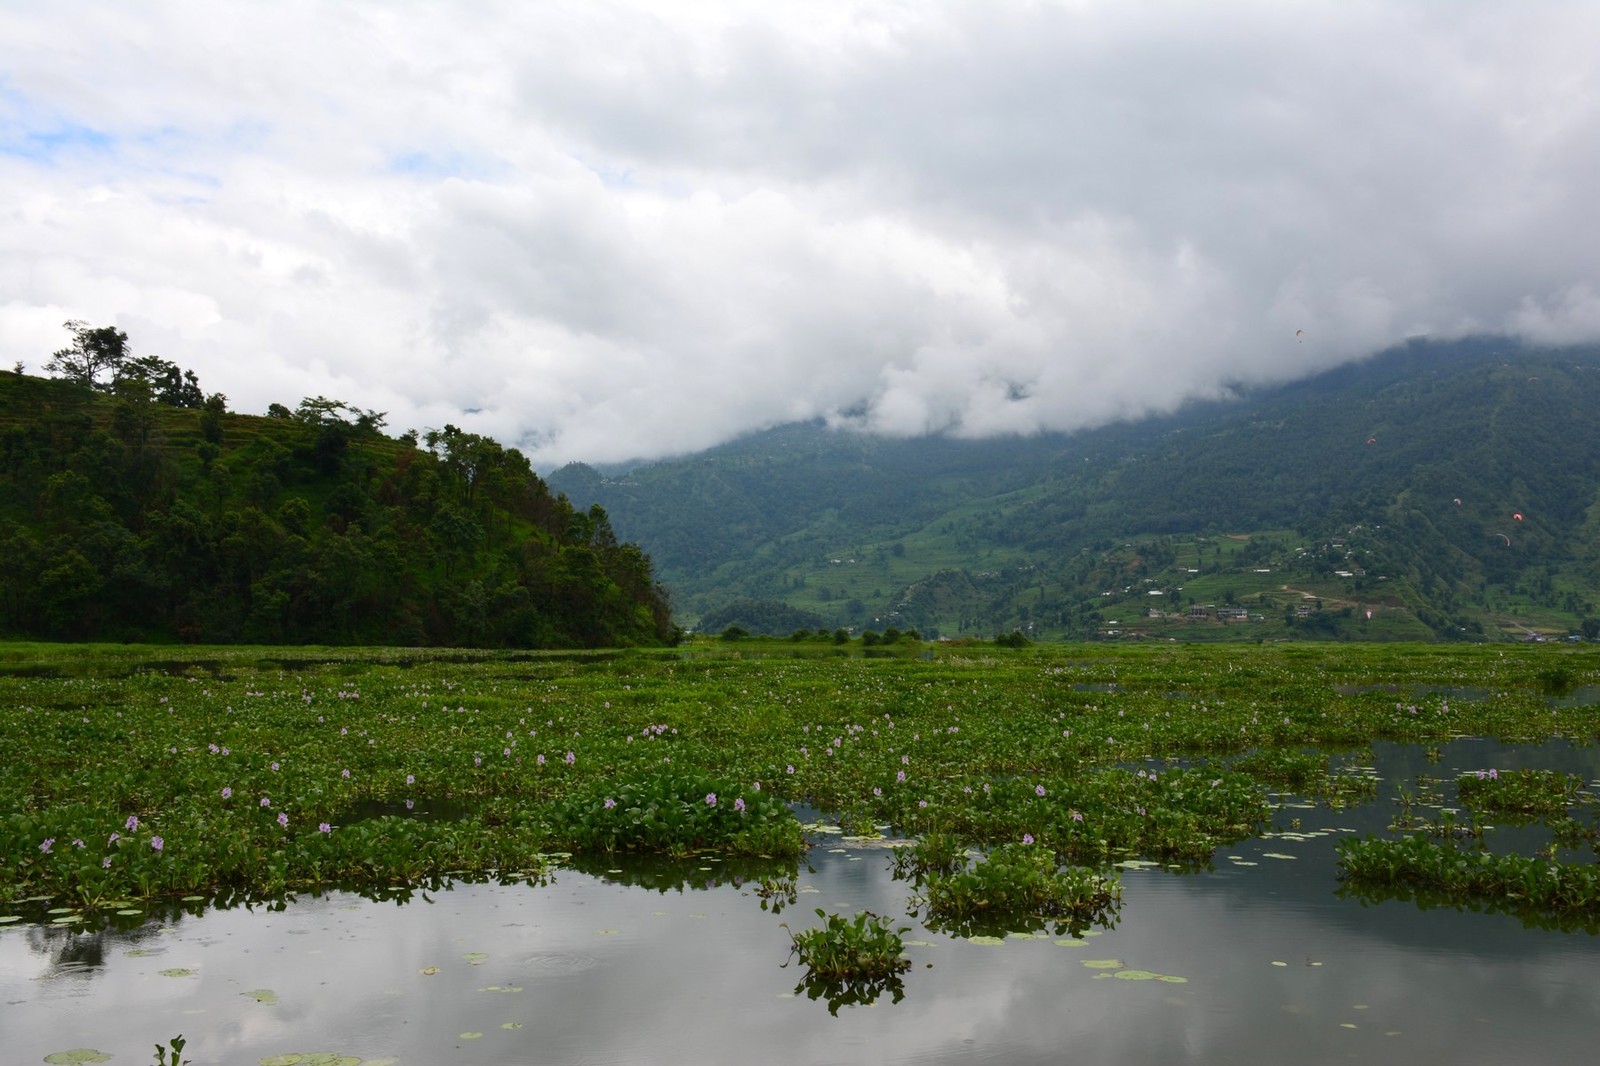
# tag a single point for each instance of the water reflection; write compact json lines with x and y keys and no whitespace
{"x":672,"y":964}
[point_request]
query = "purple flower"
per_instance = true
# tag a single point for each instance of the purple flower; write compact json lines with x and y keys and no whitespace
{"x":113,"y":838}
{"x":610,"y":803}
{"x":541,"y":760}
{"x":132,"y":823}
{"x":922,"y":803}
{"x":274,"y":767}
{"x":344,"y":774}
{"x":1027,"y":838}
{"x":410,"y":804}
{"x":877,"y":791}
{"x":1077,"y":816}
{"x":105,"y":863}
{"x":789,"y":768}
{"x":900,"y":776}
{"x":324,"y":827}
{"x":77,"y":842}
{"x":49,"y":842}
{"x":157,"y":843}
{"x":227,"y":793}
{"x":411,"y":779}
{"x":283,"y":819}
{"x":738,"y":804}
{"x":572,"y":757}
{"x":711,"y":799}
{"x":265,"y":802}
{"x":1038,"y":790}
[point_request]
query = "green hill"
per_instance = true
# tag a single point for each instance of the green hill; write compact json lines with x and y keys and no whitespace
{"x":125,"y":518}
{"x":1288,"y":512}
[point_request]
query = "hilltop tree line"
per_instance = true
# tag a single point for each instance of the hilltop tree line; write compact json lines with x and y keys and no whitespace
{"x":135,"y":507}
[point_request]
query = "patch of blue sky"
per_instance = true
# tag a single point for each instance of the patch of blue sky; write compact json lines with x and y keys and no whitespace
{"x":50,"y":144}
{"x":29,"y":132}
{"x":436,"y":166}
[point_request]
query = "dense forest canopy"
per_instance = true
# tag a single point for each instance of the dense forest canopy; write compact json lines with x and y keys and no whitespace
{"x":135,"y":507}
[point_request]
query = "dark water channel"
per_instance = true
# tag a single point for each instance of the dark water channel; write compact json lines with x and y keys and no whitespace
{"x":1278,"y":966}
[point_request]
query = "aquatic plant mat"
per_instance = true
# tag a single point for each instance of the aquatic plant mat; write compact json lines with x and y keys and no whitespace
{"x":1218,"y":854}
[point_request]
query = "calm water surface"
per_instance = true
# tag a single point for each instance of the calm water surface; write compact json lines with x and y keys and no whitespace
{"x":1278,"y":966}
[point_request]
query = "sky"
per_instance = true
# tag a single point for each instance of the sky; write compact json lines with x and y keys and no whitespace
{"x":605,"y":231}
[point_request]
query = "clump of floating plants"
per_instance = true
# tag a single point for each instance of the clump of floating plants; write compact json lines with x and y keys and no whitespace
{"x":1418,"y":863}
{"x":1015,"y":885}
{"x":677,"y":813}
{"x":1528,"y":792}
{"x":851,"y":960}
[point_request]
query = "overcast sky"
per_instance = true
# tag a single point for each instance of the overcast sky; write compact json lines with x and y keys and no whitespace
{"x":604,"y":231}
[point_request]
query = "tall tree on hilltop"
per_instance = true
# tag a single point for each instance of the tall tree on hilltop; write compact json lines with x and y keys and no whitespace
{"x":93,"y":352}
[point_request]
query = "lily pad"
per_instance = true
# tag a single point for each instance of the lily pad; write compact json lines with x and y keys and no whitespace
{"x":1104,"y":964}
{"x":428,"y":971}
{"x":511,"y":1025}
{"x":263,"y":995}
{"x":76,"y":1055}
{"x":7,"y":919}
{"x":177,"y":971}
{"x":1135,"y":975}
{"x":987,"y":941}
{"x":476,"y":958}
{"x":470,"y":1036}
{"x":130,"y":912}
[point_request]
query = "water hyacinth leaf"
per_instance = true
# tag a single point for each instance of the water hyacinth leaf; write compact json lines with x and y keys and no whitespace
{"x":75,"y":1056}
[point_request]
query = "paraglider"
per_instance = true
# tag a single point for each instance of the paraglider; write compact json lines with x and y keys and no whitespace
{"x":1458,"y":501}
{"x":1505,"y":538}
{"x":1372,"y":440}
{"x":1518,"y":516}
{"x":1298,"y":334}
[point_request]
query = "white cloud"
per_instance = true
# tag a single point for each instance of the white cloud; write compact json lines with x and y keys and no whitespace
{"x":611,"y":230}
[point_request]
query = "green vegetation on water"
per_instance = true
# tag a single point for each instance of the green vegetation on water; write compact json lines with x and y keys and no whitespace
{"x":246,"y":773}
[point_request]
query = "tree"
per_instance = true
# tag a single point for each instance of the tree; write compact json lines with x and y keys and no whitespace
{"x":168,"y":382}
{"x":93,"y":352}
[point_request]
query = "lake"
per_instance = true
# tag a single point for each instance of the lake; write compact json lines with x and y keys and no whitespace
{"x":1276,"y":965}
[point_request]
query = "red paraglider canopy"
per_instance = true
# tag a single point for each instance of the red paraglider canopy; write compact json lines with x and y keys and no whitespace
{"x":1372,"y":440}
{"x":1518,"y":516}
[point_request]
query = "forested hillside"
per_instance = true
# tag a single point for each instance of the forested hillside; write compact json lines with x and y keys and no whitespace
{"x":129,"y":511}
{"x":1452,"y":490}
